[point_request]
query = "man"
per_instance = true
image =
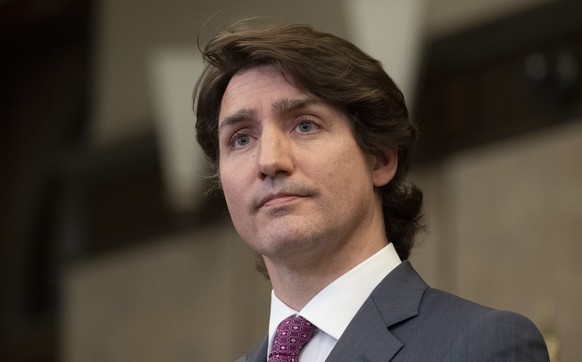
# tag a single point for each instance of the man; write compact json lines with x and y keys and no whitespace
{"x":309,"y":139}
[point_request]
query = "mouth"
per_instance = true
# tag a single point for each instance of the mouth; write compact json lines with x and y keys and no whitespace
{"x":280,"y":197}
{"x":277,"y":200}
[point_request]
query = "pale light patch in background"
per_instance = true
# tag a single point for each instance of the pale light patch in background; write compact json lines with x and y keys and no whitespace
{"x":173,"y":73}
{"x":390,"y":31}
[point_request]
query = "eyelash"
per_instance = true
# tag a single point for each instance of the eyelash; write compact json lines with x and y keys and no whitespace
{"x":236,"y":137}
{"x":306,"y":120}
{"x":309,"y":121}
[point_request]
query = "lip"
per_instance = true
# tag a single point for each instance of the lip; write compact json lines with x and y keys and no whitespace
{"x":276,"y":200}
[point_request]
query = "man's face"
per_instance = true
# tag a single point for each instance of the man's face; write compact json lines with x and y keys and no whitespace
{"x":295,"y":181}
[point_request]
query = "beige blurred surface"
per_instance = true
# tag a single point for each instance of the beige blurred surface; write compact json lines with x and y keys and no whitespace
{"x":185,"y":298}
{"x":505,"y":229}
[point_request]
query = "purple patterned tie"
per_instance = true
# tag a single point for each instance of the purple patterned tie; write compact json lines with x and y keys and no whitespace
{"x":291,"y":336}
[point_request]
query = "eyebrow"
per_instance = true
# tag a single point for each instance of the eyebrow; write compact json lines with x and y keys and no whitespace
{"x":282,"y":106}
{"x":239,"y":116}
{"x":287,"y":105}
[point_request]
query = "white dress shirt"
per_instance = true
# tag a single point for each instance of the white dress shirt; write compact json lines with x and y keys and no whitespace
{"x":333,"y":308}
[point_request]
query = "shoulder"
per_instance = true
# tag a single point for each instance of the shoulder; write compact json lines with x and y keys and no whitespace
{"x":451,"y":328}
{"x":479,"y":333}
{"x":499,"y":335}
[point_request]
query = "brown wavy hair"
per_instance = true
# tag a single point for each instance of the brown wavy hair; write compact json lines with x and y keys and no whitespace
{"x":335,"y":71}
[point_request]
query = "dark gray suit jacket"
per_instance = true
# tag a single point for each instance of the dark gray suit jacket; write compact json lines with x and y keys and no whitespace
{"x":406,"y":320}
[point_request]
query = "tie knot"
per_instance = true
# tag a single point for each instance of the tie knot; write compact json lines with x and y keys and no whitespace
{"x":291,"y":336}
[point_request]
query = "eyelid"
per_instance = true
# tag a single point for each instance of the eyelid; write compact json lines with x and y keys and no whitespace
{"x":230,"y":132}
{"x":227,"y":137}
{"x":307,"y":119}
{"x":235,"y":136}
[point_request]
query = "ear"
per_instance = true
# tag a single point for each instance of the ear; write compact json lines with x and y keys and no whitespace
{"x":385,"y":166}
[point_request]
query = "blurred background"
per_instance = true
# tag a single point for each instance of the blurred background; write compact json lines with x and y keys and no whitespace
{"x":110,"y":251}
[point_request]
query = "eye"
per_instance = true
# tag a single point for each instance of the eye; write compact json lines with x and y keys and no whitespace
{"x":305,"y":127}
{"x":240,"y":139}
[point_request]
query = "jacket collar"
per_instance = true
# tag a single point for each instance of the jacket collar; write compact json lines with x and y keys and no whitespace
{"x":368,"y":338}
{"x":396,"y":299}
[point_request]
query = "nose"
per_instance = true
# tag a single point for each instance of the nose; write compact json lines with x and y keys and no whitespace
{"x":275,"y":154}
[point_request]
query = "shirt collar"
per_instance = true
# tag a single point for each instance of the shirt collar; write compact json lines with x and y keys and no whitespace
{"x":333,"y":308}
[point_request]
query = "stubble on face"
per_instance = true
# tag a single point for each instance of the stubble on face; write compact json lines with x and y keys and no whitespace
{"x":322,"y":202}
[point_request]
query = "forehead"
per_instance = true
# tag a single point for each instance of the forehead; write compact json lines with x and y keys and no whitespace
{"x":256,"y":84}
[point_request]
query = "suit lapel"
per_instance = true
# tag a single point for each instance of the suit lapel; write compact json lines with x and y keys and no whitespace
{"x":367,"y":337}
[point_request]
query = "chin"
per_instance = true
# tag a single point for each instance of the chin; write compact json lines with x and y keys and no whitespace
{"x":290,"y":242}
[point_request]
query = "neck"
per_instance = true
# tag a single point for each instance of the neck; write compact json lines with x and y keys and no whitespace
{"x":297,"y":282}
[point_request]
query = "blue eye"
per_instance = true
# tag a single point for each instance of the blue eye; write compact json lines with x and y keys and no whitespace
{"x":241,"y":140}
{"x":305,"y":127}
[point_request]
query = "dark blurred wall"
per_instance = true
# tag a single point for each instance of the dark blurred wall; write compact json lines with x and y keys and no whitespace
{"x":44,"y":76}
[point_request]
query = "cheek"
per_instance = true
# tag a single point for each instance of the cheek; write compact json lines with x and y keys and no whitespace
{"x":228,"y":186}
{"x":343,"y":171}
{"x":354,"y":177}
{"x":230,"y":195}
{"x":236,"y":208}
{"x":235,"y":188}
{"x":350,"y":161}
